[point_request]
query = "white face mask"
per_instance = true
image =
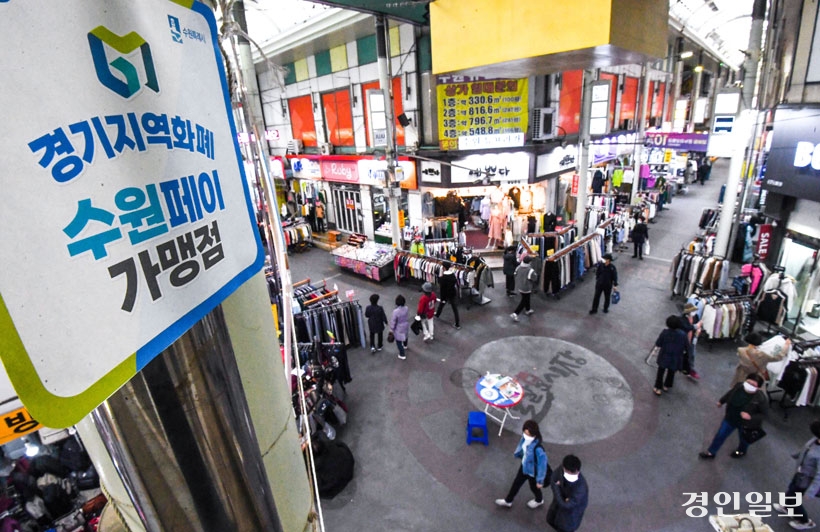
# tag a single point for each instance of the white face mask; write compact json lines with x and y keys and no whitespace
{"x":570,"y":477}
{"x":750,"y":388}
{"x":528,"y":439}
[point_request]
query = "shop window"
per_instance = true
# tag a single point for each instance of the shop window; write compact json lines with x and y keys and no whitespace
{"x":800,"y":262}
{"x":629,"y":99}
{"x":338,"y":117}
{"x":613,"y":95}
{"x":302,"y":124}
{"x":398,"y":108}
{"x":569,"y":109}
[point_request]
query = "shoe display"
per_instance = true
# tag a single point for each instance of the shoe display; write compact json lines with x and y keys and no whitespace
{"x":535,"y":504}
{"x":706,"y":455}
{"x":502,"y":502}
{"x":799,"y":525}
{"x":514,"y":316}
{"x":529,"y":312}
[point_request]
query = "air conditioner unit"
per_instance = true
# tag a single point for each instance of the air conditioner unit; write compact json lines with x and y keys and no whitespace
{"x":295,"y":146}
{"x":327,"y":148}
{"x":542,"y":123}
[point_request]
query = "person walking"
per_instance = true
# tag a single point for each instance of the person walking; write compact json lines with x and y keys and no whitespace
{"x":640,"y":234}
{"x":751,"y":359}
{"x":606,"y":278}
{"x":525,"y":277}
{"x":427,"y":310}
{"x":510,"y":264}
{"x":672,"y":345}
{"x":448,"y":286}
{"x":570,"y":496}
{"x":692,"y":328}
{"x":806,"y":479}
{"x":376,"y":320}
{"x":746,"y":405}
{"x":533,"y":469}
{"x":400,"y":325}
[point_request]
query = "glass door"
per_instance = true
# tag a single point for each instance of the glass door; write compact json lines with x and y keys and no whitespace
{"x":347,"y":206}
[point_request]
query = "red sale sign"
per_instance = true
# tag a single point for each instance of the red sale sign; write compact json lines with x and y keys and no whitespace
{"x":764,"y":239}
{"x":575,"y":179}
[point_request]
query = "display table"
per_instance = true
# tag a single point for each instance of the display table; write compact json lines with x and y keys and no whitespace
{"x":499,"y":393}
{"x":374,"y":261}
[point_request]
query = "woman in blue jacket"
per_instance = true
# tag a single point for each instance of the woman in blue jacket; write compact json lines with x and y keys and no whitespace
{"x":533,"y":466}
{"x":672,"y":344}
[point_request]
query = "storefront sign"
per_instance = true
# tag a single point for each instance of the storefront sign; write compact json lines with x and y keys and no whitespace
{"x":15,"y":424}
{"x":125,"y":201}
{"x":557,"y":161}
{"x":478,"y":108}
{"x":764,"y":239}
{"x":678,"y":141}
{"x":430,"y":172}
{"x":575,"y":179}
{"x":491,"y":167}
{"x":609,"y":148}
{"x":306,"y":168}
{"x":344,"y":171}
{"x":371,"y":172}
{"x":793,"y":166}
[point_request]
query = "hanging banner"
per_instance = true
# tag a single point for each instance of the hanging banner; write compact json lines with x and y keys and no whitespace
{"x":764,"y":240}
{"x":124,"y":196}
{"x":678,"y":141}
{"x":575,"y":179}
{"x":481,"y":108}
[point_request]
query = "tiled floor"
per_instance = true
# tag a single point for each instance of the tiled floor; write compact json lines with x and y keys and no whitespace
{"x":589,"y":388}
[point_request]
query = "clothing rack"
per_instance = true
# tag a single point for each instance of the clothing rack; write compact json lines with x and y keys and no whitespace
{"x":339,"y":321}
{"x":579,"y":243}
{"x":332,"y":293}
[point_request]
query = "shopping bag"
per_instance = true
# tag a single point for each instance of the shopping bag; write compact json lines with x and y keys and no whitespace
{"x":646,"y":248}
{"x":752,"y":434}
{"x":615,"y":297}
{"x":416,"y":326}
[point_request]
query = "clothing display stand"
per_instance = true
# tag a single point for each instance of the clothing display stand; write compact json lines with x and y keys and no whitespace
{"x":798,"y":362}
{"x":559,"y":237}
{"x":592,"y":240}
{"x":472,"y":276}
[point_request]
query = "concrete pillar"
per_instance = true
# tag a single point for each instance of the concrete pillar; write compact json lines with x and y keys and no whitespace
{"x":583,"y":141}
{"x":391,"y":187}
{"x":642,"y":111}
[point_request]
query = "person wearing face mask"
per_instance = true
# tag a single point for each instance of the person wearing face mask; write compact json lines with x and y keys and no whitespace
{"x":570,"y":496}
{"x":533,"y":468}
{"x":746,"y":405}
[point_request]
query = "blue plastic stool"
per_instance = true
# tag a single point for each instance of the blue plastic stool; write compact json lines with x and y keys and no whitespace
{"x":477,"y":420}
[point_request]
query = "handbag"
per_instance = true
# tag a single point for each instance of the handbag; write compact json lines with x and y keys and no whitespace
{"x":391,"y":337}
{"x":416,"y":326}
{"x":752,"y":434}
{"x":646,"y":248}
{"x":615,"y":297}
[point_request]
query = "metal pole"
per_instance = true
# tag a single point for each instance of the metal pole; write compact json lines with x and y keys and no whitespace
{"x":182,"y":427}
{"x":641,"y":120}
{"x":393,"y":189}
{"x":693,"y":98}
{"x":583,"y":140}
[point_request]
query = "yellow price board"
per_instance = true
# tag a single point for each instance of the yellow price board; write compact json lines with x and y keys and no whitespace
{"x":491,"y":107}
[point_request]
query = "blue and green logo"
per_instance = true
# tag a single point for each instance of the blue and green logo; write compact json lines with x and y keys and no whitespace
{"x":124,"y":45}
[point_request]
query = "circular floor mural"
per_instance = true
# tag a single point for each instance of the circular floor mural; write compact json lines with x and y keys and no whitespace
{"x":575,"y":395}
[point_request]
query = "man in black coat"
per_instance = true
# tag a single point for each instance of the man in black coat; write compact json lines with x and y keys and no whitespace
{"x":570,"y":496}
{"x":606,"y":278}
{"x":640,"y":234}
{"x":448,"y":289}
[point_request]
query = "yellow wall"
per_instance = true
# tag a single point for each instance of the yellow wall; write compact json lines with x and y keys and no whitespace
{"x":474,"y":33}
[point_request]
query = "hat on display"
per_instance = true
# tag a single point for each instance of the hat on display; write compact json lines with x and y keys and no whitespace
{"x":427,"y":288}
{"x":608,"y":256}
{"x":689,"y":308}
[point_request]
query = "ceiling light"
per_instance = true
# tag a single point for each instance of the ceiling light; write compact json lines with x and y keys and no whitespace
{"x":687,"y":54}
{"x":699,"y":68}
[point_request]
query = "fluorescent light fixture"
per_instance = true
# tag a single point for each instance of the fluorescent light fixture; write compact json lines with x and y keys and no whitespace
{"x":699,"y":68}
{"x":687,"y":54}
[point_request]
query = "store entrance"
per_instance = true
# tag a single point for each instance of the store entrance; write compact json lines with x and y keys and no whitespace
{"x":347,"y":206}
